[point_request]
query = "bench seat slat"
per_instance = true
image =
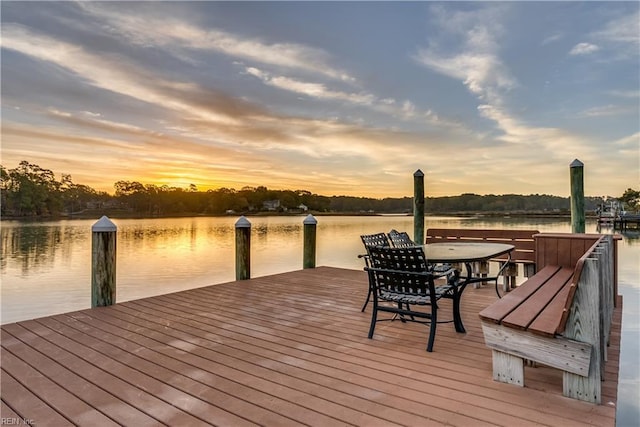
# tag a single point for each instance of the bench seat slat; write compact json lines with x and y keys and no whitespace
{"x":525,"y":314}
{"x":548,"y":323}
{"x":497,"y":311}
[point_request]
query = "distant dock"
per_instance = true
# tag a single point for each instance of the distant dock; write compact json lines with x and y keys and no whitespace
{"x":626,"y":221}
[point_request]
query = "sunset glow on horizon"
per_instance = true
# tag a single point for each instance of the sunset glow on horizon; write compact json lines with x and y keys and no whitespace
{"x":334,"y":98}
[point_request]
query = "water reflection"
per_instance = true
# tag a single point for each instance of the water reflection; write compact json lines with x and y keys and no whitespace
{"x":30,"y":249}
{"x":631,"y":237}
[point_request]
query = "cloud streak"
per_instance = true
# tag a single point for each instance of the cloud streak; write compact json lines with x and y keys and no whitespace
{"x":174,"y":34}
{"x":584,"y":49}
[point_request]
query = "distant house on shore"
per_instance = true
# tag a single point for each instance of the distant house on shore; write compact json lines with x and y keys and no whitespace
{"x":271,"y":205}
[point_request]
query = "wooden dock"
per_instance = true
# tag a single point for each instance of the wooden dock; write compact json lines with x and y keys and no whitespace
{"x":281,"y":350}
{"x":624,"y":222}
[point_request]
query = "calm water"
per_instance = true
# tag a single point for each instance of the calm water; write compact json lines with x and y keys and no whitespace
{"x":46,"y":266}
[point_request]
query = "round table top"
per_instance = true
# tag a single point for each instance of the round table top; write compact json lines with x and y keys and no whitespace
{"x":465,"y":251}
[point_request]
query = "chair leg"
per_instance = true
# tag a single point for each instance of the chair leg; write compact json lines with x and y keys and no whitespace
{"x":367,"y":301}
{"x":409,"y":308}
{"x":401,"y":316}
{"x":432,"y":328}
{"x":374,"y":318}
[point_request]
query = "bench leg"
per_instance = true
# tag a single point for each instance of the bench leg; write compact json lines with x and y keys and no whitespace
{"x":529,"y":270}
{"x":507,"y":368}
{"x":481,"y":269}
{"x":578,"y":387}
{"x":510,"y":273}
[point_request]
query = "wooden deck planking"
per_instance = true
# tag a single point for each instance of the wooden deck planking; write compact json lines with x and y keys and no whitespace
{"x":287,"y":349}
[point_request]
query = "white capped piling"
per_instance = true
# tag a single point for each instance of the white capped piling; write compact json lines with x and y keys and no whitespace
{"x":309,"y":252}
{"x":418,"y":207}
{"x":243,"y":249}
{"x":103,"y":263}
{"x":576,"y":172}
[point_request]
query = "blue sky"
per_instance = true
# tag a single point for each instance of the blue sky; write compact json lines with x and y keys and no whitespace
{"x":332,"y":97}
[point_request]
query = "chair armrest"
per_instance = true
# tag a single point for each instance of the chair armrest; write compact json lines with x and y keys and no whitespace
{"x":366,"y":259}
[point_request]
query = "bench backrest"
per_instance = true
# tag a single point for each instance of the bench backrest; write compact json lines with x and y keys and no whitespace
{"x":522,"y":240}
{"x":595,"y":268}
{"x":562,"y":249}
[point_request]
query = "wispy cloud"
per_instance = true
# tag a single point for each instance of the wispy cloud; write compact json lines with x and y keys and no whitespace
{"x":551,"y":39}
{"x":477,"y":62}
{"x":584,"y":49}
{"x":405,"y":110}
{"x":314,"y":90}
{"x":620,"y":37}
{"x":475,"y":59}
{"x":632,"y":141}
{"x":634,"y":94}
{"x":609,"y":110}
{"x":624,"y":29}
{"x":174,"y":34}
{"x":117,"y":74}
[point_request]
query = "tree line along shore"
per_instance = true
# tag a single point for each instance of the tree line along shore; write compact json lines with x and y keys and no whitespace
{"x":30,"y":191}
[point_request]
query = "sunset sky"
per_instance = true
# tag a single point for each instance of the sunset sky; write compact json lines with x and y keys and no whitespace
{"x":331,"y":97}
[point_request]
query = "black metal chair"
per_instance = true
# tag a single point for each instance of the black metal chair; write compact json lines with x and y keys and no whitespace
{"x":400,"y":239}
{"x":401,"y":277}
{"x":369,"y":241}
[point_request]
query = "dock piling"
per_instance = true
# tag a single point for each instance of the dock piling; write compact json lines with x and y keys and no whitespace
{"x":418,"y":207}
{"x":103,"y":263}
{"x":243,"y":249}
{"x":309,"y":252}
{"x":576,"y":170}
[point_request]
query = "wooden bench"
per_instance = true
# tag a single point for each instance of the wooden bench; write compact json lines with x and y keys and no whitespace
{"x":559,"y":317}
{"x":523,"y":254}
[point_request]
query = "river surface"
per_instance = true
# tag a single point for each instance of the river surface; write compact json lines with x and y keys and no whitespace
{"x":46,"y":266}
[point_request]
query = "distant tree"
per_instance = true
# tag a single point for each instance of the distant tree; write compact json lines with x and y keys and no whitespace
{"x":30,"y":191}
{"x":135,"y":195}
{"x":76,"y":197}
{"x":631,"y":199}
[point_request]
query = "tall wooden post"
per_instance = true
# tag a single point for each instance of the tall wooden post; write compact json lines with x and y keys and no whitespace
{"x":243,"y":249}
{"x":418,"y":207}
{"x":309,"y":251}
{"x":576,"y":171}
{"x":103,"y":263}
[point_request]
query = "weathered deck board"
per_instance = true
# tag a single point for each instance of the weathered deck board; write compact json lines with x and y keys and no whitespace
{"x":287,"y":349}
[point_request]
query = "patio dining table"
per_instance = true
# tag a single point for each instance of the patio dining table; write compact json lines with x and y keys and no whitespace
{"x":467,"y":253}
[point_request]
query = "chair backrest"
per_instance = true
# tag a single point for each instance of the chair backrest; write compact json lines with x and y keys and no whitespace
{"x":400,"y":239}
{"x":372,"y":240}
{"x":401,"y":270}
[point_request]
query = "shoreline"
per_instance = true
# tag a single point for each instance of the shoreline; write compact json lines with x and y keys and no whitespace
{"x":126,"y":215}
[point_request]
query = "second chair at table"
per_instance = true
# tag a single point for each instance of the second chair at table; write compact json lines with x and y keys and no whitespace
{"x":400,"y":239}
{"x":369,"y":241}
